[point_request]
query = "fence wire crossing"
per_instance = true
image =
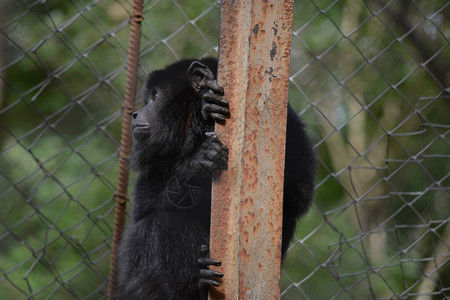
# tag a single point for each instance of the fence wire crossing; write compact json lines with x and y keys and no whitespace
{"x":369,"y":78}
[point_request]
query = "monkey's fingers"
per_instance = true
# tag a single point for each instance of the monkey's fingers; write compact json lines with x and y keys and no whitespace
{"x":215,"y":146}
{"x":218,"y":118}
{"x":213,"y":138}
{"x":207,"y":282}
{"x":224,"y":163}
{"x":218,"y":153}
{"x":212,"y":154}
{"x":204,"y":251}
{"x":206,"y":261}
{"x":217,"y":89}
{"x":219,"y":159}
{"x":215,"y":112}
{"x":215,"y":99}
{"x":206,"y":273}
{"x":208,"y":166}
{"x":214,"y":108}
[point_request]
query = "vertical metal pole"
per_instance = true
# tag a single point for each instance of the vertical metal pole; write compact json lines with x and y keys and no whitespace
{"x":125,"y":142}
{"x":247,"y":200}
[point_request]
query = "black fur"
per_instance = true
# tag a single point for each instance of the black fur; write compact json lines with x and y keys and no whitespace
{"x":177,"y":155}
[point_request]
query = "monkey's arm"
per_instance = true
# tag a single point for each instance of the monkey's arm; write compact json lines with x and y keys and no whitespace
{"x":299,"y":176}
{"x":211,"y":157}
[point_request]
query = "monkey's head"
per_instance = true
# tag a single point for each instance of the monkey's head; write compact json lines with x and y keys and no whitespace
{"x":170,"y":125}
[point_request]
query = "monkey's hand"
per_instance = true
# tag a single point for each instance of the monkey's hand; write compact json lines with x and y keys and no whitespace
{"x":208,"y":277}
{"x":212,"y":156}
{"x":214,"y":107}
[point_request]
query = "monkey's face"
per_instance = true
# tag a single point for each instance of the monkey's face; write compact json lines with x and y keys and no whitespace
{"x":152,"y":131}
{"x":171,"y":120}
{"x":150,"y":118}
{"x":142,"y":121}
{"x":170,"y":102}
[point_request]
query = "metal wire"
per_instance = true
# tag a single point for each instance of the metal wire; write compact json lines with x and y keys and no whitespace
{"x":125,"y":143}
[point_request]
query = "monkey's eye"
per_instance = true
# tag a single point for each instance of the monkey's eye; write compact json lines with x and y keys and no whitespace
{"x":153,"y":94}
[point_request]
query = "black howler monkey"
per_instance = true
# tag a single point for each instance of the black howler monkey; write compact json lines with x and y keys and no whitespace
{"x":164,"y":252}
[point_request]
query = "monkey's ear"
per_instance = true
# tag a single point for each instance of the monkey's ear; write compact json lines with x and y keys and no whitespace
{"x":199,"y":75}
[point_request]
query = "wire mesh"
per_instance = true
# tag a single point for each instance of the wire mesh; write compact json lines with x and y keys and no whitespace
{"x":369,"y":78}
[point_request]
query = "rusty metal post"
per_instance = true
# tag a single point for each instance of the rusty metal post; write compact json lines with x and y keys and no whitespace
{"x":125,"y":142}
{"x":247,"y":200}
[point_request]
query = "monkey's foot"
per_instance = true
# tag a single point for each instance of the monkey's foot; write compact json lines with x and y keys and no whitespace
{"x":208,"y":277}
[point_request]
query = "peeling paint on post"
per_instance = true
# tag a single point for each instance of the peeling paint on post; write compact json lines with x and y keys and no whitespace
{"x":247,"y":199}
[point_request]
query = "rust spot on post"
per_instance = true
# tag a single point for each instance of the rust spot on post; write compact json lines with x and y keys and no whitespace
{"x":247,"y":200}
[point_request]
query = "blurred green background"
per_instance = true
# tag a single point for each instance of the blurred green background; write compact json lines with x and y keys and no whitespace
{"x":369,"y":78}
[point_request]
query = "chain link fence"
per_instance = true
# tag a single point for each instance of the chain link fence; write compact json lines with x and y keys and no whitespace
{"x":369,"y":78}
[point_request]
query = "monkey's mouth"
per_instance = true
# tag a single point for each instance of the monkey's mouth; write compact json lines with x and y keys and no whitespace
{"x":140,"y":129}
